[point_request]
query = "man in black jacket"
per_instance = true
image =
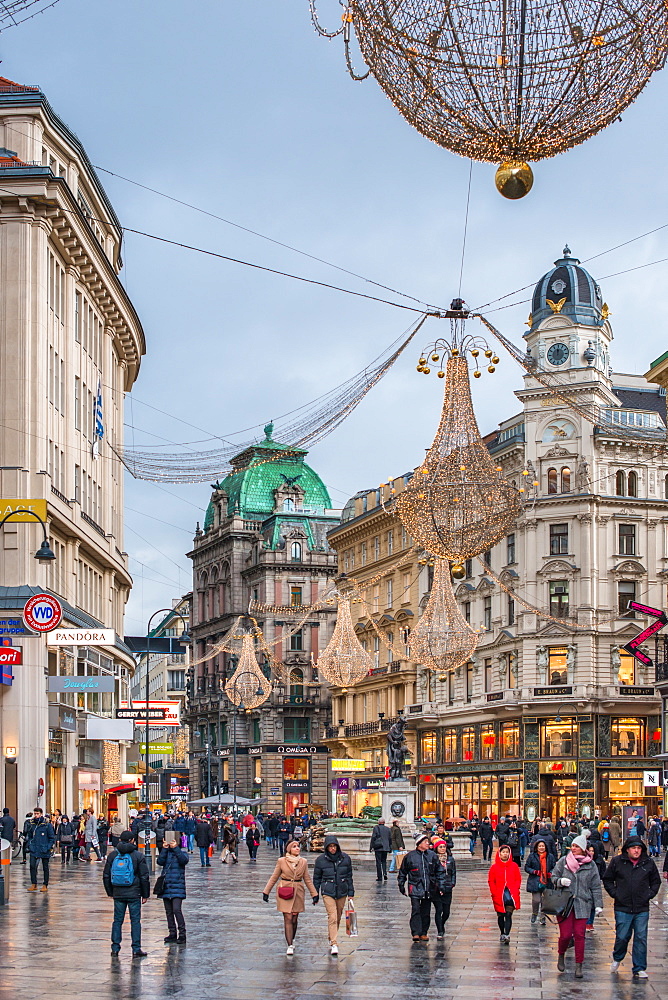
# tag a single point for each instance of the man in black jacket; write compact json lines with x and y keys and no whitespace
{"x":333,"y":880}
{"x":381,"y":845}
{"x":632,"y":879}
{"x":7,"y":826}
{"x":418,"y":869}
{"x":127,"y":894}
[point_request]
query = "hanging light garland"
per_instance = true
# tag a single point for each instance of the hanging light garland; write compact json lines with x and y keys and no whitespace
{"x":442,"y":638}
{"x":457,"y":503}
{"x":344,"y":661}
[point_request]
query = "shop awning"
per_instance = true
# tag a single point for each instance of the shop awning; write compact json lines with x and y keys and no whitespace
{"x":120,"y":789}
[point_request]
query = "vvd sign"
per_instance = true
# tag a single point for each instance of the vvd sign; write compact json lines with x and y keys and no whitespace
{"x":42,"y":612}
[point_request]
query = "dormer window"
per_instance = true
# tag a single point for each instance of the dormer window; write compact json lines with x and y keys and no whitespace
{"x":296,"y":551}
{"x":288,"y":504}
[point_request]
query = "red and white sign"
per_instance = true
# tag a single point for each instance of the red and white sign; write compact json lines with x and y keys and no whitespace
{"x":172,"y":716}
{"x":42,"y":613}
{"x":11,"y":655}
{"x":40,"y":788}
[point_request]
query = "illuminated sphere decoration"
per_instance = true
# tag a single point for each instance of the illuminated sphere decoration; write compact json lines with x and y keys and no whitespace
{"x":514,"y":179}
{"x":442,"y":639}
{"x":520,"y":80}
{"x":457,"y":505}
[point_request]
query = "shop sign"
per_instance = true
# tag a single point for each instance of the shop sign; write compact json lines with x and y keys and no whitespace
{"x":11,"y":656}
{"x":651,"y":779}
{"x":13,"y":625}
{"x":296,"y":750}
{"x":552,"y":692}
{"x":646,"y":692}
{"x":82,"y":637}
{"x":166,"y":712}
{"x":556,"y":767}
{"x":358,"y":784}
{"x":99,"y":683}
{"x":291,"y":785}
{"x":42,"y":613}
{"x":157,"y":748}
{"x":89,"y":781}
{"x":348,"y":765}
{"x":139,"y":715}
{"x":62,"y":717}
{"x":632,"y":647}
{"x":22,"y":509}
{"x":495,"y":696}
{"x":228,"y":752}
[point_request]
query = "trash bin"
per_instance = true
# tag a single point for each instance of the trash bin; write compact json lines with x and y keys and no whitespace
{"x":5,"y":861}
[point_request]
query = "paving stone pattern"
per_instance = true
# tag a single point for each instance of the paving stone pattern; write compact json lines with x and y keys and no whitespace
{"x":59,"y":943}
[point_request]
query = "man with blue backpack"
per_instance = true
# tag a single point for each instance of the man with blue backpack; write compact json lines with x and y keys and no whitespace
{"x":127,"y":881}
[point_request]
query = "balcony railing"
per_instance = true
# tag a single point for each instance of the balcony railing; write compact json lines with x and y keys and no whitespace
{"x":359,"y":728}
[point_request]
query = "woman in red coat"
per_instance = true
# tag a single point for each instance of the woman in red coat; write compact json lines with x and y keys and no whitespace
{"x":505,"y":874}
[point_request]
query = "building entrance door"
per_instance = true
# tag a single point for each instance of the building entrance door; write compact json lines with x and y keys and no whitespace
{"x":558,"y":796}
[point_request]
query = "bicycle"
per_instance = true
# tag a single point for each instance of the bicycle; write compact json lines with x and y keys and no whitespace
{"x":17,"y":847}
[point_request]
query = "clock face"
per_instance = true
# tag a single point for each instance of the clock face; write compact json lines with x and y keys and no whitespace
{"x":558,"y":354}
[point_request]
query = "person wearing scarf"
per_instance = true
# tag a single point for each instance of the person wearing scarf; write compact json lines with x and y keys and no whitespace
{"x":539,"y":869}
{"x":577,"y":872}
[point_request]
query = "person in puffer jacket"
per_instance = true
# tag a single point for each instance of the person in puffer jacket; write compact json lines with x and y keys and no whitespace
{"x":333,"y":879}
{"x":417,"y":872}
{"x":443,"y":882}
{"x":173,"y":860}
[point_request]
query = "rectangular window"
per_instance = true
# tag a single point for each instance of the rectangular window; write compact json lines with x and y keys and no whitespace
{"x":77,"y":403}
{"x":376,"y":598}
{"x":468,"y":743}
{"x":510,"y":549}
{"x":626,"y":592}
{"x":468,"y":569}
{"x":511,"y":611}
{"x":469,"y":681}
{"x":376,"y":547}
{"x":176,"y":680}
{"x":627,"y":737}
{"x":626,"y":673}
{"x":376,"y":651}
{"x":489,"y":681}
{"x":390,"y":542}
{"x":510,"y":739}
{"x":627,"y":539}
{"x":296,"y":730}
{"x":390,"y":641}
{"x":451,"y":687}
{"x":487,"y":558}
{"x":559,"y":739}
{"x":487,"y":742}
{"x":559,"y":598}
{"x":297,"y":640}
{"x":77,"y":317}
{"x":557,"y":665}
{"x":389,"y":593}
{"x":404,"y":538}
{"x":449,"y":744}
{"x":558,"y":539}
{"x":467,"y":611}
{"x":406,"y":589}
{"x":428,"y":748}
{"x":487,"y":614}
{"x":295,"y":596}
{"x":296,"y":768}
{"x":363,"y":553}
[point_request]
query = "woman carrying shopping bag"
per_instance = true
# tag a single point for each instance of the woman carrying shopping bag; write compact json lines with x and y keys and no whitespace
{"x":291,"y":873}
{"x":577,"y":871}
{"x":333,"y":878}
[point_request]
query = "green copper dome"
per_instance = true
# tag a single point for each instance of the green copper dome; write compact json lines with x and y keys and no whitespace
{"x":250,"y":486}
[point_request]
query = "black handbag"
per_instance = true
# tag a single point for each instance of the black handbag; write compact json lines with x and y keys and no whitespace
{"x":508,"y":901}
{"x":557,"y":901}
{"x":159,"y":887}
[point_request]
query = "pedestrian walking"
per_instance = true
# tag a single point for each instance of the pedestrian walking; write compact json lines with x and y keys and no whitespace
{"x":115,"y":831}
{"x":26,"y":833}
{"x":173,"y":860}
{"x":505,"y":880}
{"x":397,"y":843}
{"x":65,"y":839}
{"x":577,"y":871}
{"x":90,"y":836}
{"x":252,"y":841}
{"x":595,"y":851}
{"x":284,"y":834}
{"x":486,"y":833}
{"x":203,"y":839}
{"x":230,"y":842}
{"x":190,"y":828}
{"x":653,"y":837}
{"x":102,"y":834}
{"x":632,"y":879}
{"x":126,"y":880}
{"x":539,"y":867}
{"x":416,"y":874}
{"x":381,"y":845}
{"x":292,"y":874}
{"x":333,"y":880}
{"x":7,"y":826}
{"x":41,"y":839}
{"x":443,"y":882}
{"x":615,"y":834}
{"x":159,"y":828}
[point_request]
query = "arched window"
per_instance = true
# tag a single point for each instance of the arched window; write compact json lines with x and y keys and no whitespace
{"x":565,"y":480}
{"x":296,"y":551}
{"x":620,"y":484}
{"x":288,"y":504}
{"x":633,"y":484}
{"x":297,"y":686}
{"x":552,"y":485}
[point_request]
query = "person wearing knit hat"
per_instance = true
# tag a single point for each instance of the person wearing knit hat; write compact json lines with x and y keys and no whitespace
{"x":576,"y":871}
{"x":416,"y":874}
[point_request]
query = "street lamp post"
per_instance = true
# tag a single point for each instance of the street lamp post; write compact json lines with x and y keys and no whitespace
{"x":44,"y":553}
{"x":185,"y":639}
{"x":557,"y":719}
{"x":241,"y":706}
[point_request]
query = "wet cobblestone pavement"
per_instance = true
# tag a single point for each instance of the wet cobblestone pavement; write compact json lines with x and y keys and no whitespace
{"x":59,"y":942}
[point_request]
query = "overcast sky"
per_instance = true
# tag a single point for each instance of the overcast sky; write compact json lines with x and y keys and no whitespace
{"x":238,"y":107}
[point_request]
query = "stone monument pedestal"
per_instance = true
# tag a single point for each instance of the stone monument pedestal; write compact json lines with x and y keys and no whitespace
{"x":461,"y":844}
{"x":398,"y":802}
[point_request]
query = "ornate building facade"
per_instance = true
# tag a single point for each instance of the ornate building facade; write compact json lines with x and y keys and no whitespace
{"x":264,"y":539}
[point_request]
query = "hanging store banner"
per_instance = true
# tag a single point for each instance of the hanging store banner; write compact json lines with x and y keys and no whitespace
{"x":22,"y":509}
{"x":100,"y":683}
{"x":82,"y":637}
{"x":163,"y":713}
{"x":348,"y":765}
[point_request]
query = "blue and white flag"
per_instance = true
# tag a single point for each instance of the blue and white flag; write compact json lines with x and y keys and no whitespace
{"x":98,"y":420}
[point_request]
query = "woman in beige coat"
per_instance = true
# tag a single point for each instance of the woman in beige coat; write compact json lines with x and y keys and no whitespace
{"x":291,"y":871}
{"x":615,"y":834}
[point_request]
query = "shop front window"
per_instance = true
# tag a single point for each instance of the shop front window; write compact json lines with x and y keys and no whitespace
{"x":510,"y":739}
{"x":296,"y":768}
{"x":449,"y":744}
{"x":627,"y":738}
{"x":627,"y":669}
{"x":558,"y":739}
{"x":487,"y":742}
{"x":468,"y":743}
{"x":428,"y":748}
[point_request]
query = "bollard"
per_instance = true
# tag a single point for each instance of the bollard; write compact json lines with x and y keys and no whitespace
{"x":5,"y":860}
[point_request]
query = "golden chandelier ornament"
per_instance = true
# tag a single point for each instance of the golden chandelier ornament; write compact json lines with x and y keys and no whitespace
{"x":457,"y":505}
{"x":247,"y":686}
{"x":344,"y":661}
{"x":442,"y":639}
{"x":506,"y":82}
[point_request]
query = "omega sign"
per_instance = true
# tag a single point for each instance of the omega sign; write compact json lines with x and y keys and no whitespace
{"x":294,"y":750}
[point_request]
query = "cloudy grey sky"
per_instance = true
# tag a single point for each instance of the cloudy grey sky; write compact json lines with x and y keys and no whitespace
{"x":238,"y":107}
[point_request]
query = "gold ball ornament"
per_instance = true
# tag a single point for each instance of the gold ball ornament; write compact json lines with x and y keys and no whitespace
{"x":458,"y":572}
{"x":434,"y":357}
{"x":514,"y":179}
{"x":477,"y":374}
{"x":441,"y":374}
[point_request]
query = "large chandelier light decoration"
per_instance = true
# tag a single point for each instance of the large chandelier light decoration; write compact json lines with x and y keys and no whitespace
{"x":457,"y":504}
{"x":344,"y":661}
{"x":507,"y":82}
{"x":247,"y":686}
{"x":442,"y":639}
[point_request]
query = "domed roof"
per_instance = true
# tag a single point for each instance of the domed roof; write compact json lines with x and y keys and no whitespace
{"x":256,"y":475}
{"x":568,"y":290}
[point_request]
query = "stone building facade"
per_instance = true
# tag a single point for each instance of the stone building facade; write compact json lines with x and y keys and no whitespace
{"x":69,"y":336}
{"x":264,"y":539}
